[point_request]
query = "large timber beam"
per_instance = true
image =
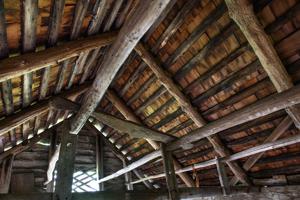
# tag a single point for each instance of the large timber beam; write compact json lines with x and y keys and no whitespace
{"x":187,"y":107}
{"x":131,"y":32}
{"x":248,"y":152}
{"x":129,"y":115}
{"x":241,"y":11}
{"x":28,"y":62}
{"x":261,"y":108}
{"x":133,"y":129}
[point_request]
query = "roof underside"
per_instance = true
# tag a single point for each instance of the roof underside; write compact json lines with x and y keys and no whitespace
{"x":205,"y":53}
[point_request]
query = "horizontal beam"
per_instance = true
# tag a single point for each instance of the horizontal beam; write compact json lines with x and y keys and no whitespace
{"x":248,"y":152}
{"x":133,"y":129}
{"x":26,"y":114}
{"x":261,"y":108}
{"x":28,"y":62}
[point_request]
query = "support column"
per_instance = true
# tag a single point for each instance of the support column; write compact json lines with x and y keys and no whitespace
{"x":5,"y":174}
{"x":222,"y":177}
{"x":53,"y":142}
{"x":65,"y":168}
{"x":128,"y":178}
{"x":100,"y":160}
{"x":170,"y":173}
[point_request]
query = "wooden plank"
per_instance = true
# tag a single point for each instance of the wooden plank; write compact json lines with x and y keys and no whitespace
{"x":130,"y":33}
{"x":243,"y":14}
{"x":112,"y":16}
{"x":80,"y":12}
{"x":169,"y":173}
{"x":133,"y":129}
{"x":16,"y":66}
{"x":99,"y":12}
{"x":187,"y":107}
{"x":222,"y":177}
{"x":65,"y":165}
{"x":261,"y":108}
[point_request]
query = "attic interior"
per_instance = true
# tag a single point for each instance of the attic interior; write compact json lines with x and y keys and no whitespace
{"x":156,"y":99}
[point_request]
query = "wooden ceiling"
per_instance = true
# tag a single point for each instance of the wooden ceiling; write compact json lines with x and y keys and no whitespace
{"x":195,"y":43}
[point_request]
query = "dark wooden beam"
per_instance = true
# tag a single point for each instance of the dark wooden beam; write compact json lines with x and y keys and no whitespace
{"x":243,"y":14}
{"x":169,"y":173}
{"x":222,"y":177}
{"x":5,"y":174}
{"x":100,"y":160}
{"x":129,"y":35}
{"x":65,"y":165}
{"x":261,"y":108}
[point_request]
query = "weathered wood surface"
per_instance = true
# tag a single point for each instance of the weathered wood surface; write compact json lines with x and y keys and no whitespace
{"x":278,"y":131}
{"x":169,"y":173}
{"x":243,"y":14}
{"x":261,"y":108}
{"x":66,"y":163}
{"x":129,"y":115}
{"x":131,"y":32}
{"x":222,"y":176}
{"x":16,"y":66}
{"x":187,"y":107}
{"x":5,"y":174}
{"x":100,"y":160}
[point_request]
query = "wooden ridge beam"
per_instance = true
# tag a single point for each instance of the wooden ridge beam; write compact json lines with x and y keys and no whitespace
{"x":243,"y":14}
{"x":129,"y":115}
{"x":129,"y":35}
{"x":28,"y":62}
{"x":187,"y":107}
{"x":261,"y":108}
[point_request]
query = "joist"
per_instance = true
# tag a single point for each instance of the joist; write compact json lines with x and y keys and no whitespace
{"x":129,"y":115}
{"x":261,"y":108}
{"x":28,"y":62}
{"x":131,"y":32}
{"x":243,"y":14}
{"x":187,"y":107}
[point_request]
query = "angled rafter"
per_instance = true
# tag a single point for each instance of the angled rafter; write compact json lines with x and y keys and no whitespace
{"x":243,"y":14}
{"x":187,"y":107}
{"x":130,"y":33}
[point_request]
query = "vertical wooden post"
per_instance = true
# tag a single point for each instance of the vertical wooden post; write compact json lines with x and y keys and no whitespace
{"x":53,"y":142}
{"x":222,"y":177}
{"x":128,"y":177}
{"x":170,"y":173}
{"x":100,"y":160}
{"x":5,"y":174}
{"x":65,"y":168}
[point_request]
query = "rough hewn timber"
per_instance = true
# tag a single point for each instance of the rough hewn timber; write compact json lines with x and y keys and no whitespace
{"x":243,"y":14}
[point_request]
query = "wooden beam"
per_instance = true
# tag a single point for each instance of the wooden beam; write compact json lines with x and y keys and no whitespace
{"x":65,"y":165}
{"x":133,"y":129}
{"x":261,"y":108}
{"x":5,"y":174}
{"x":130,"y":33}
{"x":28,"y":62}
{"x":187,"y":107}
{"x":242,"y":154}
{"x":26,"y":114}
{"x":278,"y":131}
{"x":169,"y":173}
{"x":128,"y":177}
{"x":222,"y":177}
{"x":129,"y":115}
{"x":100,"y":160}
{"x":243,"y":14}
